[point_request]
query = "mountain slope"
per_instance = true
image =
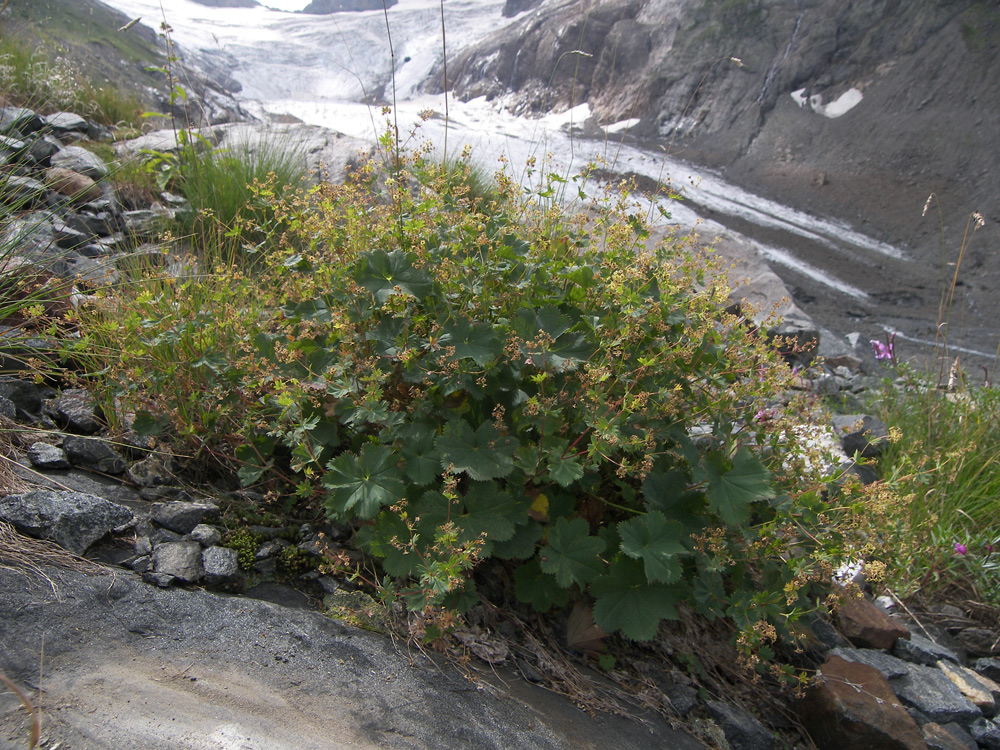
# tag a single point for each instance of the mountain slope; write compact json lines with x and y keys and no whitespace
{"x":857,"y":109}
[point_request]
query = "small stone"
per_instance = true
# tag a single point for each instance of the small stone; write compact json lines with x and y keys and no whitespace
{"x":66,"y":123}
{"x":142,"y":563}
{"x":979,"y":641}
{"x":862,"y":434}
{"x":988,"y":668}
{"x":163,"y":580}
{"x":152,"y":471}
{"x":181,"y":560}
{"x":23,"y":394}
{"x":73,"y":520}
{"x":889,"y":666}
{"x":742,"y":730}
{"x":45,"y":456}
{"x":182,"y":517}
{"x":270,"y":549}
{"x":222,"y":566}
{"x":80,"y":160}
{"x":94,"y":454}
{"x":867,"y":626}
{"x":921,"y":650}
{"x":77,"y":187}
{"x":77,"y":410}
{"x":266,"y":568}
{"x":162,"y":536}
{"x":986,"y":733}
{"x":206,"y":535}
{"x":329,"y":584}
{"x":143,"y":546}
{"x":19,"y":121}
{"x":7,"y":409}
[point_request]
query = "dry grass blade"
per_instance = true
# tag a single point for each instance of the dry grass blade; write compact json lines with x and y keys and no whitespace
{"x":21,"y":554}
{"x":36,"y":722}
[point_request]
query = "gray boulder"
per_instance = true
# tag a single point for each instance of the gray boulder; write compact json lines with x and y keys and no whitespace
{"x":76,"y":409}
{"x":182,"y":560}
{"x":931,"y":693}
{"x":182,"y":517}
{"x":45,"y":456}
{"x":888,"y":665}
{"x":986,"y":733}
{"x":80,"y":160}
{"x":74,"y":520}
{"x":222,"y":566}
{"x":66,"y":123}
{"x":742,"y":730}
{"x":861,"y":433}
{"x":921,"y":650}
{"x":206,"y":535}
{"x":19,"y":121}
{"x":22,"y":393}
{"x":94,"y":454}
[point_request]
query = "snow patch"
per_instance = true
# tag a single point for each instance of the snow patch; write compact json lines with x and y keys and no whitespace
{"x":838,"y":107}
{"x":621,"y":125}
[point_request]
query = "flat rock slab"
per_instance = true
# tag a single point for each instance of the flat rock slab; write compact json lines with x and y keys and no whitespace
{"x":130,"y":665}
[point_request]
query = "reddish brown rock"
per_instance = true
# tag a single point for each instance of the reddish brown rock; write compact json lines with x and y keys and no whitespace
{"x":854,"y":707}
{"x":77,"y":186}
{"x":867,"y":626}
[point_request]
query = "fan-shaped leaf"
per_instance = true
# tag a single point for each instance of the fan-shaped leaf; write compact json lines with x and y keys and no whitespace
{"x":362,"y":484}
{"x":572,"y":554}
{"x":384,"y":274}
{"x":483,"y":454}
{"x":656,"y":541}
{"x":622,"y":602}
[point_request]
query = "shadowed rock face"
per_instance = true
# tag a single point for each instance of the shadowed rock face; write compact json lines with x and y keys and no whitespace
{"x":858,"y":110}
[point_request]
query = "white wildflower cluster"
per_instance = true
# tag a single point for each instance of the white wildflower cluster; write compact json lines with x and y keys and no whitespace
{"x":812,"y":449}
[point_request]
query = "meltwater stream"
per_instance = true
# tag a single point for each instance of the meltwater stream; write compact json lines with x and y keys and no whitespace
{"x":327,"y":70}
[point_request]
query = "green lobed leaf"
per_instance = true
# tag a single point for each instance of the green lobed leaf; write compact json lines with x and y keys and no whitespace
{"x":625,"y":602}
{"x":422,"y":460}
{"x":478,"y":342}
{"x":564,"y":469}
{"x":572,"y":554}
{"x":389,"y":538}
{"x":483,"y":454}
{"x":656,"y":541}
{"x":384,"y":274}
{"x":490,"y":511}
{"x":522,"y":545}
{"x":362,"y":484}
{"x":732,"y":488}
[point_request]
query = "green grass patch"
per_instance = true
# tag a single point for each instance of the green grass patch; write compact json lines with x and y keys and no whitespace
{"x":947,"y":460}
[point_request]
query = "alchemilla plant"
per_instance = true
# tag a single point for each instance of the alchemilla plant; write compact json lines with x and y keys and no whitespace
{"x":470,"y":376}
